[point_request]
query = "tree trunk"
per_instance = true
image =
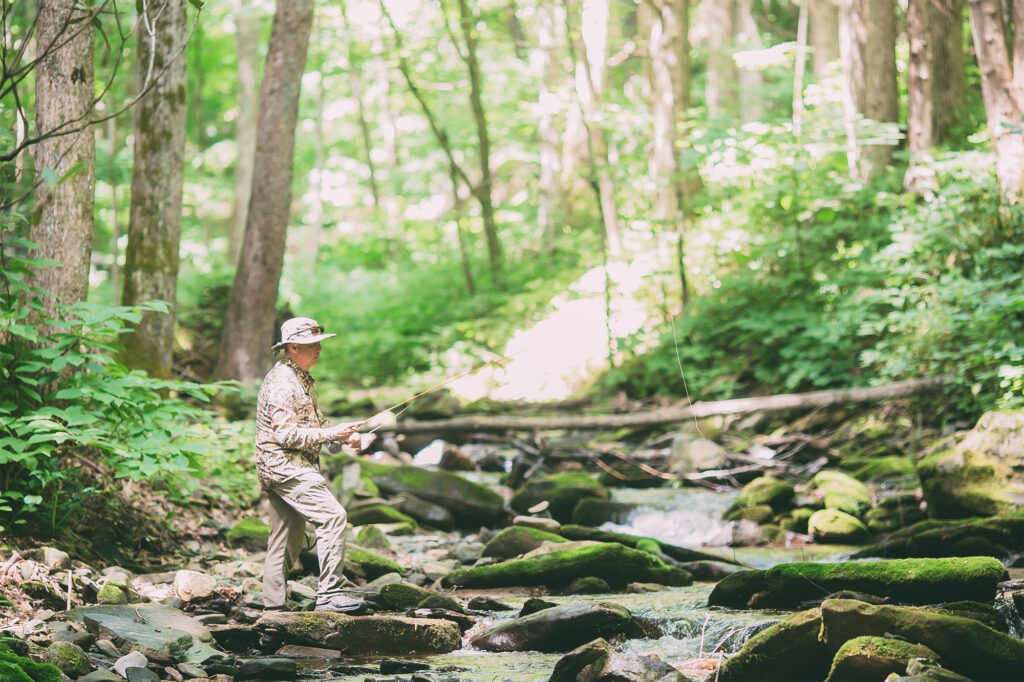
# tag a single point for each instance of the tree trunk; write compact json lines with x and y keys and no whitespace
{"x":920,"y":104}
{"x":249,"y":325}
{"x":158,"y":170}
{"x":1002,"y":87}
{"x":247,"y":46}
{"x":823,"y":16}
{"x":722,"y":76}
{"x":550,"y":203}
{"x":772,"y":403}
{"x":949,"y":86}
{"x":749,"y":80}
{"x":867,"y":45}
{"x":485,"y":188}
{"x":62,"y":218}
{"x":115,"y":225}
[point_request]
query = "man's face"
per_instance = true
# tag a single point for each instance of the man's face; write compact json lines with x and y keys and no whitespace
{"x":305,"y":355}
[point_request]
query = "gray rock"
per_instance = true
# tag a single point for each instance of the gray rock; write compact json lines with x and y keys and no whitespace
{"x":355,"y":635}
{"x":150,"y":626}
{"x":596,"y":661}
{"x":560,"y":628}
{"x":133,"y":659}
{"x":101,"y":676}
{"x":140,"y":675}
{"x":267,"y":669}
{"x":190,"y":671}
{"x":80,"y":639}
{"x":540,"y":523}
{"x":108,"y":648}
{"x":54,"y":558}
{"x":690,"y":454}
{"x":192,"y":585}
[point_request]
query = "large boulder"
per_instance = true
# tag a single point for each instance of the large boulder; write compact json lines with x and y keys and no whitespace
{"x":999,"y":536}
{"x":873,"y":658}
{"x":765,"y":490}
{"x":562,"y":492}
{"x":471,"y":504}
{"x":560,"y":628}
{"x":517,"y":540}
{"x":790,"y":650}
{"x":149,"y":626}
{"x":616,"y":564}
{"x":362,"y":635}
{"x":913,"y":581}
{"x":964,"y":645}
{"x":836,"y":527}
{"x":596,"y":661}
{"x":980,"y":475}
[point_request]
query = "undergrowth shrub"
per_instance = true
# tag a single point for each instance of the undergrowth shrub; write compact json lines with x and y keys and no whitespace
{"x":68,"y":407}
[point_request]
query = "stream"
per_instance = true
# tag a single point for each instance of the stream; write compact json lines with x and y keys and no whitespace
{"x":688,"y":517}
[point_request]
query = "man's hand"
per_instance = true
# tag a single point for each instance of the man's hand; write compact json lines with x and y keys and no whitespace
{"x":348,"y":432}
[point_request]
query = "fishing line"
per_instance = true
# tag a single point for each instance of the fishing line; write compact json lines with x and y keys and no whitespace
{"x":682,"y":373}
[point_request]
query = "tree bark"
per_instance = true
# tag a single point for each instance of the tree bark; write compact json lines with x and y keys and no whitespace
{"x":1002,"y":86}
{"x":550,"y":201}
{"x":247,"y":33}
{"x":158,"y":171}
{"x":823,"y":16}
{"x":772,"y":403}
{"x":722,"y":77}
{"x":920,"y":105}
{"x":249,"y":324}
{"x":949,"y":85}
{"x":868,"y":45}
{"x":749,"y":80}
{"x":65,"y":165}
{"x":485,"y":188}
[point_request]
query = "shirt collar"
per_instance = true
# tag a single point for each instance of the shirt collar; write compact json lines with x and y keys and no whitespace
{"x":304,"y":376}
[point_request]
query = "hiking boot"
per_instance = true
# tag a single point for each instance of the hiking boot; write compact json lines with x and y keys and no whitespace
{"x":339,"y":603}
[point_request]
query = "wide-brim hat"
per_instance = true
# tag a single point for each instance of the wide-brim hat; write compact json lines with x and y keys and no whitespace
{"x":302,"y":330}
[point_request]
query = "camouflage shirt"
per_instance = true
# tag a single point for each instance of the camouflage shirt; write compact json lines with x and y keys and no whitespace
{"x":289,"y":424}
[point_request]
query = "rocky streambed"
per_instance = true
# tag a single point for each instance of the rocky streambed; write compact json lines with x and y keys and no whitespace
{"x":558,"y":578}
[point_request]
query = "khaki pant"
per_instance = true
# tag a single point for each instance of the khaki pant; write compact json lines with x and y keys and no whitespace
{"x":293,"y":502}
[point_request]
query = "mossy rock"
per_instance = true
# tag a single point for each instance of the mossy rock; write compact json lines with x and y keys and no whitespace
{"x":980,"y":474}
{"x":615,"y":563}
{"x":591,"y":511}
{"x":517,"y":540}
{"x":427,"y":513}
{"x":250,"y":532}
{"x":562,"y":491}
{"x":789,"y":650}
{"x":471,"y":504}
{"x":674,"y":552}
{"x":796,"y":519}
{"x":891,"y":466}
{"x":894,"y":513}
{"x":774,"y":492}
{"x":362,"y":635}
{"x":362,"y":563}
{"x":842,"y":491}
{"x":587,"y":585}
{"x":69,"y":658}
{"x":758,"y":513}
{"x":869,"y":659}
{"x":114,"y":592}
{"x":964,"y":645}
{"x":441,"y":601}
{"x":981,"y":612}
{"x":559,"y":628}
{"x":48,"y":595}
{"x":378,"y":512}
{"x":832,"y":526}
{"x":372,"y":537}
{"x":1002,"y":534}
{"x":913,"y":581}
{"x":16,"y":667}
{"x":397,"y":596}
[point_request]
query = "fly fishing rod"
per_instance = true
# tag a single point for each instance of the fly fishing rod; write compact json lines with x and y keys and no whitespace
{"x":335,"y":446}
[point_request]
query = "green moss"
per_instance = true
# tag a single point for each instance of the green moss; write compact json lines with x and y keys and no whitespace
{"x":366,"y":564}
{"x":70,"y":659}
{"x":648,"y":545}
{"x":562,"y":491}
{"x":377,"y":513}
{"x":615,"y":563}
{"x":941,"y":538}
{"x":768,"y":490}
{"x":874,"y":657}
{"x":372,"y":537}
{"x":249,"y":529}
{"x":883,"y":467}
{"x":758,"y":513}
{"x":403,"y":595}
{"x":113,"y":592}
{"x":17,"y":668}
{"x":470,"y":503}
{"x":516,"y":540}
{"x":789,"y":650}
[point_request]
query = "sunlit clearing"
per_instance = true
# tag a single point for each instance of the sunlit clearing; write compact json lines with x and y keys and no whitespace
{"x":562,"y":353}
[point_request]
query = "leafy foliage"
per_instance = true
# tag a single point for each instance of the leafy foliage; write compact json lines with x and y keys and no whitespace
{"x":67,"y":405}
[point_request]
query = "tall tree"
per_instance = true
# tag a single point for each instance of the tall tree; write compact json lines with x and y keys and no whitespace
{"x":249,"y":324}
{"x":919,"y":94}
{"x":550,"y":38}
{"x":666,"y":24}
{"x":867,"y":43}
{"x":823,"y":17}
{"x":158,"y":172}
{"x":65,"y":162}
{"x":1001,"y":61}
{"x":247,"y":31}
{"x":721,"y":92}
{"x":749,"y":79}
{"x":948,"y":74}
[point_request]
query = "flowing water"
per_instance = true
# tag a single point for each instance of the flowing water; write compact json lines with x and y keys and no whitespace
{"x":692,"y":632}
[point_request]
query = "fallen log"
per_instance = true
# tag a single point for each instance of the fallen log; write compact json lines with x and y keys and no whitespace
{"x":771,"y":403}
